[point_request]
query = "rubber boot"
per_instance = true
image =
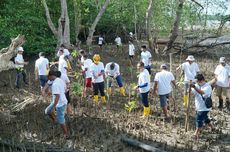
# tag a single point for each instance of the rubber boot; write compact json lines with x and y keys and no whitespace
{"x":146,"y":112}
{"x":220,"y":104}
{"x":185,"y":100}
{"x":103,"y":99}
{"x":109,"y":91}
{"x":122,"y":91}
{"x":95,"y":98}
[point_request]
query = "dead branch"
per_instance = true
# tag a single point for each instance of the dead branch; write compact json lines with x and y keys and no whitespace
{"x":198,"y":4}
{"x":140,"y":144}
{"x":7,"y":53}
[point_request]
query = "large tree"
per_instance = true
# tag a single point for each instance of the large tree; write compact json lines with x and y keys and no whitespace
{"x":62,"y":33}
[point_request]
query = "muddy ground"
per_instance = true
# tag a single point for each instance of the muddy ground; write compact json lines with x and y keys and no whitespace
{"x":93,"y":128}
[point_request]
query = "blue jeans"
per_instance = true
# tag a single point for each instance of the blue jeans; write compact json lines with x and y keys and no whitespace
{"x":164,"y":99}
{"x":60,"y":113}
{"x":144,"y":99}
{"x":119,"y":81}
{"x":202,"y":117}
{"x":20,"y":74}
{"x":43,"y":79}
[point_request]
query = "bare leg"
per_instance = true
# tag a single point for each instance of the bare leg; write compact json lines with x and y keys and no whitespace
{"x":197,"y":133}
{"x":52,"y":117}
{"x":63,"y":126}
{"x":165,"y":111}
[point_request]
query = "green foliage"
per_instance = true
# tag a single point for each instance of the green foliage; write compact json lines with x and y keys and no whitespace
{"x":77,"y":89}
{"x":74,"y":53}
{"x":130,"y":106}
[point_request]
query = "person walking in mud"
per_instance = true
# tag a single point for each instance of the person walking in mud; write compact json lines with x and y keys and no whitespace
{"x":222,"y":82}
{"x":19,"y":64}
{"x":131,"y":52}
{"x":162,"y":86}
{"x":58,"y":103}
{"x":144,"y":87}
{"x":41,"y":69}
{"x":100,"y":41}
{"x":87,"y":73}
{"x":112,"y":71}
{"x":98,"y":71}
{"x":146,"y":58}
{"x":201,"y":90}
{"x":118,"y":42}
{"x":189,"y":69}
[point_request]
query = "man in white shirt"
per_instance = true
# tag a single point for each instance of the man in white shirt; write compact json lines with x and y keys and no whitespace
{"x":112,"y":71}
{"x":162,"y":87}
{"x":131,"y":52}
{"x":97,"y":70}
{"x":118,"y":42}
{"x":201,"y":90}
{"x":59,"y":101}
{"x":100,"y":41}
{"x":222,"y":77}
{"x":144,"y":87}
{"x":62,"y":64}
{"x":41,"y":69}
{"x":146,"y":58}
{"x":190,"y":69}
{"x":88,"y":75}
{"x":19,"y":64}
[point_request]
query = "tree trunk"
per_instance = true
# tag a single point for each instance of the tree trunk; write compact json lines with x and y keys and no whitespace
{"x":175,"y":28}
{"x":62,"y":34}
{"x":92,"y":28}
{"x":77,"y":20}
{"x":7,"y":53}
{"x":148,"y":20}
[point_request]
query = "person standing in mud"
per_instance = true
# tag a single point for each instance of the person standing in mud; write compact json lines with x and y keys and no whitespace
{"x":201,"y":90}
{"x":146,"y":58}
{"x":144,"y":87}
{"x":19,"y":63}
{"x":87,"y":73}
{"x":59,"y":101}
{"x":118,"y":42}
{"x":112,"y":71}
{"x":162,"y":87}
{"x":97,"y":70}
{"x":41,"y":69}
{"x":131,"y":52}
{"x":190,"y":69}
{"x":100,"y":41}
{"x":222,"y":82}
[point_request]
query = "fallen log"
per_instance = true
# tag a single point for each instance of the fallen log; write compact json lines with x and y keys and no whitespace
{"x":141,"y":145}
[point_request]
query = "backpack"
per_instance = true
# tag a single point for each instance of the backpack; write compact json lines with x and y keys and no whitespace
{"x":208,"y":101}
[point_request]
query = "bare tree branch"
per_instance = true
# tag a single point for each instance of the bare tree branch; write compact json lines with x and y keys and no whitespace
{"x":50,"y":22}
{"x":198,"y":4}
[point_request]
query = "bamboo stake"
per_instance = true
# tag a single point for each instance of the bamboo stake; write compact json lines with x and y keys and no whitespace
{"x":187,"y":111}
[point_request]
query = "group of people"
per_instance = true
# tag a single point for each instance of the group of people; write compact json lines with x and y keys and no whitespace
{"x":95,"y":75}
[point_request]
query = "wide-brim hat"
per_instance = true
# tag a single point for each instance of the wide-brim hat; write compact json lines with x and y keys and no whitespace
{"x":190,"y":58}
{"x":20,"y":49}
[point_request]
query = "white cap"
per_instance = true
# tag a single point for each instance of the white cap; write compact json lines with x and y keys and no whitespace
{"x":20,"y":49}
{"x":190,"y":58}
{"x":222,"y":60}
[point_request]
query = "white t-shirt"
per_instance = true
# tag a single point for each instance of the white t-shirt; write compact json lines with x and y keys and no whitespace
{"x":145,"y":58}
{"x":95,"y":70}
{"x":100,"y":40}
{"x":66,"y":80}
{"x":190,"y":71}
{"x":86,"y":67}
{"x":223,"y":73}
{"x":41,"y":64}
{"x":164,"y":79}
{"x":19,"y":58}
{"x":118,"y":40}
{"x":199,"y":102}
{"x":58,"y":87}
{"x":115,"y":72}
{"x":62,"y":65}
{"x":131,"y":49}
{"x":144,"y":78}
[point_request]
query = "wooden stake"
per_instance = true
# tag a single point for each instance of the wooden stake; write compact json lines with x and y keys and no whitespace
{"x":187,"y":111}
